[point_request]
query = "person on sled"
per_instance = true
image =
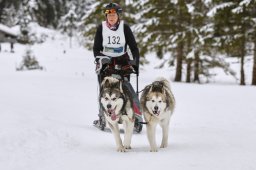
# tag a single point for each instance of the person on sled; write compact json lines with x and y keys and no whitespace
{"x":111,"y":40}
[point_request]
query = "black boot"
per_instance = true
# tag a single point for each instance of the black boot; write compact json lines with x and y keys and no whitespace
{"x":138,"y":124}
{"x":100,"y":123}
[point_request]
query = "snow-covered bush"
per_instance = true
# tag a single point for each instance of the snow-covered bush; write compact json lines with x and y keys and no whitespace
{"x":29,"y":62}
{"x":35,"y":34}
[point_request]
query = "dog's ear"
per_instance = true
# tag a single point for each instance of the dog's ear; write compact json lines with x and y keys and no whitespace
{"x":121,"y":86}
{"x":163,"y":91}
{"x":106,"y":84}
{"x":150,"y":89}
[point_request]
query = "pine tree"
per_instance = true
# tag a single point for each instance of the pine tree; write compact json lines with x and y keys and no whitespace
{"x":69,"y":23}
{"x":24,"y":21}
{"x":8,"y":12}
{"x":182,"y":21}
{"x":198,"y":39}
{"x":254,"y":60}
{"x":154,"y":26}
{"x":232,"y":23}
{"x":46,"y":12}
{"x":251,"y":8}
{"x":163,"y":29}
{"x":91,"y":19}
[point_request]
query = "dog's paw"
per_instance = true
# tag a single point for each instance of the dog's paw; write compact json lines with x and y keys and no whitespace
{"x":153,"y":150}
{"x":121,"y":149}
{"x":127,"y":147}
{"x":164,"y":145}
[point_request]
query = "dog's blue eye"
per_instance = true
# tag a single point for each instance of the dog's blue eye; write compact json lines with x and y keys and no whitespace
{"x":114,"y":99}
{"x":106,"y":98}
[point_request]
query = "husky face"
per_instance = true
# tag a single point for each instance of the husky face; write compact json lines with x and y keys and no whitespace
{"x":112,"y":102}
{"x":156,"y":103}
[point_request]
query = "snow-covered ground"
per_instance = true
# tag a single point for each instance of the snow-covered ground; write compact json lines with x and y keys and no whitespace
{"x":46,"y":118}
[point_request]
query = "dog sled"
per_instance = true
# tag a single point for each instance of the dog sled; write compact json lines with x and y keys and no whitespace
{"x":104,"y":68}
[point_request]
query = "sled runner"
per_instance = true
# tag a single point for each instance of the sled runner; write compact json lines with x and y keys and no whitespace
{"x":110,"y":66}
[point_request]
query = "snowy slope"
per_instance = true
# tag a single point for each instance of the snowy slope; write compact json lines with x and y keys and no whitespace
{"x":46,"y":119}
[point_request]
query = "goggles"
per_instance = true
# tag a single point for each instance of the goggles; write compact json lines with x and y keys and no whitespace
{"x":110,"y":11}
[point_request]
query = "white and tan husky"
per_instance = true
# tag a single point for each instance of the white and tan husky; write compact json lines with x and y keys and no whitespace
{"x":117,"y":107}
{"x":157,"y":103}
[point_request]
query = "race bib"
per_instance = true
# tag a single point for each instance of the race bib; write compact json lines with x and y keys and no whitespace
{"x":113,"y":41}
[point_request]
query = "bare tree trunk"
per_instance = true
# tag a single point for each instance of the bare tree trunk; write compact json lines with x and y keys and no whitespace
{"x":178,"y":76}
{"x":243,"y":53}
{"x":254,"y":61}
{"x":242,"y":80}
{"x":197,"y":69}
{"x":189,"y":62}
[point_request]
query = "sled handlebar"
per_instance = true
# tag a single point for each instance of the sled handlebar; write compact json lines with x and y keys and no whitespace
{"x":103,"y":64}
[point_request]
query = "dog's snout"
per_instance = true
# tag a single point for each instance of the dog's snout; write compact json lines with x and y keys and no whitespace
{"x":156,"y":107}
{"x":109,"y":106}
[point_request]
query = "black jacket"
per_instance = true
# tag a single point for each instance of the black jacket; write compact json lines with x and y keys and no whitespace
{"x":129,"y":38}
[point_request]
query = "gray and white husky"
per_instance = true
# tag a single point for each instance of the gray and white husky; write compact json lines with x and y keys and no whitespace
{"x":157,"y":103}
{"x":117,"y":107}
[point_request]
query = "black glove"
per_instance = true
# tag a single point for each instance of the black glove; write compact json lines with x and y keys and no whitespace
{"x":101,"y":63}
{"x":135,"y":66}
{"x":136,"y":69}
